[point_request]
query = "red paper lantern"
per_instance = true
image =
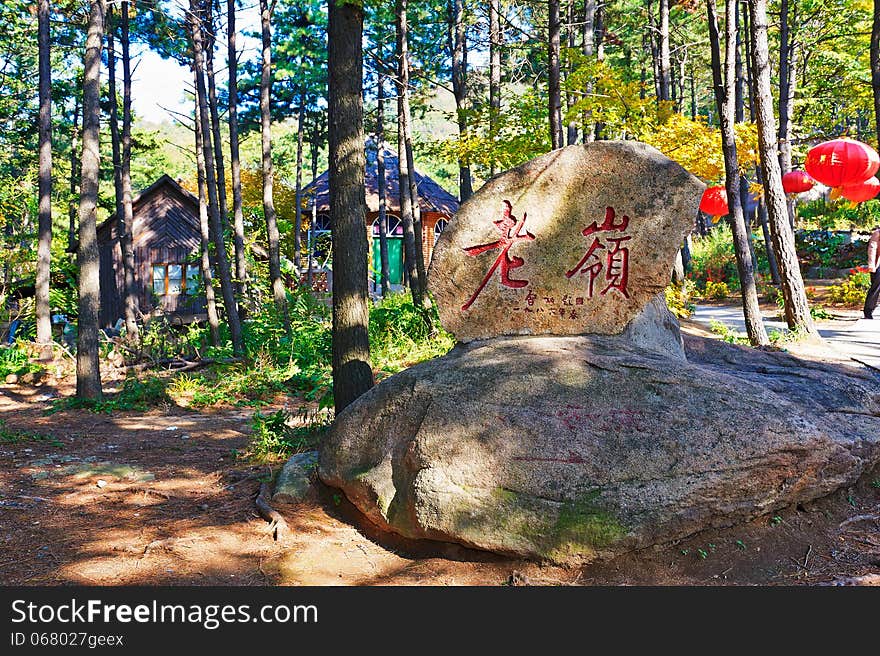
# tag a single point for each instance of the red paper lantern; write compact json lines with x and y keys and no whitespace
{"x":796,"y":182}
{"x":714,"y":201}
{"x":842,"y":162}
{"x":861,"y":191}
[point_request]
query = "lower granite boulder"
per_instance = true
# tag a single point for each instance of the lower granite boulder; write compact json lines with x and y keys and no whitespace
{"x":570,"y":449}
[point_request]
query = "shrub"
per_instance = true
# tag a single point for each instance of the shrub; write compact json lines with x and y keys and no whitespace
{"x":770,"y":292}
{"x":727,"y":334}
{"x":275,"y":439}
{"x":136,"y":394}
{"x":14,"y":360}
{"x":822,"y":215}
{"x":402,"y":335}
{"x":713,"y":258}
{"x":678,"y":299}
{"x":716,"y":290}
{"x":852,"y":290}
{"x":825,"y":249}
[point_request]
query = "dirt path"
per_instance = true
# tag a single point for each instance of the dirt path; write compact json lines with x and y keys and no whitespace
{"x":161,"y":498}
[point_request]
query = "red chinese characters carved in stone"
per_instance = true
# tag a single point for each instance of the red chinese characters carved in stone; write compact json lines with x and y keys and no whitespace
{"x":512,"y":231}
{"x":616,"y":257}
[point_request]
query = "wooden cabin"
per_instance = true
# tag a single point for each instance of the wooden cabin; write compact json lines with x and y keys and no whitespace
{"x":437,"y":207}
{"x":166,"y":237}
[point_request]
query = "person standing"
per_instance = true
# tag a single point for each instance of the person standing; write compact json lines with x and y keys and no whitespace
{"x":873,"y":261}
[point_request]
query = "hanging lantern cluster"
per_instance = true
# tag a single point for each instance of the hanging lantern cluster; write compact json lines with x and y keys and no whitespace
{"x":847,"y":166}
{"x":714,"y":202}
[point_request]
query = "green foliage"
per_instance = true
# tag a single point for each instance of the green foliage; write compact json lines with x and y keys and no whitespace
{"x":851,"y":291}
{"x":294,"y":364}
{"x":771,"y":293}
{"x":713,"y":259}
{"x":838,"y":215}
{"x":137,"y":394}
{"x":716,"y":291}
{"x":520,"y":132}
{"x":678,"y":299}
{"x":727,"y":334}
{"x":14,"y":359}
{"x":275,"y":439}
{"x":14,"y":436}
{"x":820,"y":313}
{"x":401,"y":335}
{"x":827,"y":249}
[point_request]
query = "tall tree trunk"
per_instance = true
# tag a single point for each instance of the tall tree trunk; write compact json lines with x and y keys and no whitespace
{"x":313,"y":148}
{"x":204,"y":227}
{"x":224,"y":273}
{"x":241,"y":275}
{"x":571,"y":129}
{"x":787,"y":82}
{"x":797,"y":310}
{"x":495,"y":45}
{"x":554,"y":91}
{"x":214,"y":112}
{"x":725,"y":98}
{"x":762,"y":205}
{"x":875,"y":65}
{"x":384,"y":270}
{"x":416,"y":211}
{"x":739,"y":117}
{"x":278,"y":291}
{"x":352,"y":373}
{"x":740,"y":76}
{"x":588,"y":48}
{"x":88,"y":369}
{"x":72,"y":207}
{"x":122,"y":226}
{"x":459,"y":80}
{"x":297,"y":223}
{"x":600,"y":56}
{"x":664,"y":65}
{"x":126,"y":226}
{"x":44,"y":244}
{"x":405,"y":195}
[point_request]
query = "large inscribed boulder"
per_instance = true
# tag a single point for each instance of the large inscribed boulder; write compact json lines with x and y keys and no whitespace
{"x":574,"y":242}
{"x":569,"y":424}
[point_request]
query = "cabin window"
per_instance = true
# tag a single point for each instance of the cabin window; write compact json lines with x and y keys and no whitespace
{"x":159,"y":272}
{"x":174,"y":279}
{"x":192,"y":279}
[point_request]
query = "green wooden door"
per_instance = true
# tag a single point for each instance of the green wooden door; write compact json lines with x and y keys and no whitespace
{"x":395,"y":261}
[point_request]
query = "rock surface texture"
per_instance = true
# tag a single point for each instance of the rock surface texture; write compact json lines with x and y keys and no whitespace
{"x":573,"y":448}
{"x":574,"y":242}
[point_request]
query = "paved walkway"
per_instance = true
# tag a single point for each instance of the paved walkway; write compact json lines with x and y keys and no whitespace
{"x":856,"y":338}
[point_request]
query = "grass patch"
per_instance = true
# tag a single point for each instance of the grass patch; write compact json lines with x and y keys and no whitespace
{"x":274,"y":438}
{"x":14,"y":436}
{"x":136,"y":394}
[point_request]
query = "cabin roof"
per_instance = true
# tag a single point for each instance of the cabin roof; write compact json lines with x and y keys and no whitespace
{"x":164,"y":183}
{"x":432,"y":197}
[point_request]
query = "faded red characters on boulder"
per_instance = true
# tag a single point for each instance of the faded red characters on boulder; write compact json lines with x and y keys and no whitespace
{"x":512,"y":231}
{"x":616,"y":260}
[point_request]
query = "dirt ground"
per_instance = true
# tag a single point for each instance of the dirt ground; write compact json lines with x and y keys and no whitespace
{"x":162,"y":498}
